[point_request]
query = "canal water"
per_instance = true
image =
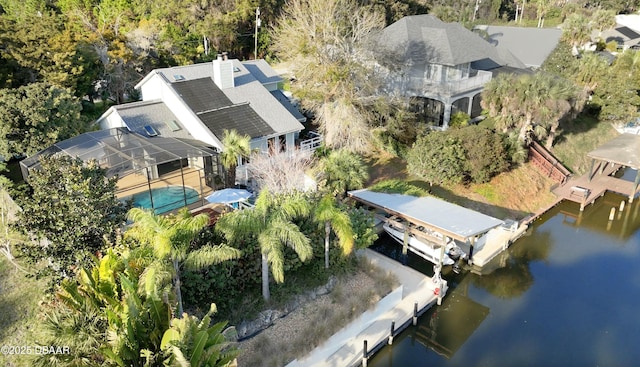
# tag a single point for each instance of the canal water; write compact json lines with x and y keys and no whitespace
{"x":565,"y":294}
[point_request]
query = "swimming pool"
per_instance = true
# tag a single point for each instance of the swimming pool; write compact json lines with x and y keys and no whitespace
{"x":165,"y":199}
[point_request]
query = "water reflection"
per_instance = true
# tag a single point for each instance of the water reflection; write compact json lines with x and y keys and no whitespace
{"x":564,"y":294}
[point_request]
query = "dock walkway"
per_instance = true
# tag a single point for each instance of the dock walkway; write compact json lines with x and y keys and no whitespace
{"x":585,"y":191}
{"x":345,"y":348}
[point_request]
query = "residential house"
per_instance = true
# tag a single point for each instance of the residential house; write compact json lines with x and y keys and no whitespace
{"x":625,"y":37}
{"x":441,"y":67}
{"x":164,"y":149}
{"x":201,"y":101}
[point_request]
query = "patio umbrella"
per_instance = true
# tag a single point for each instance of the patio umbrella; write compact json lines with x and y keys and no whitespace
{"x":227,"y":196}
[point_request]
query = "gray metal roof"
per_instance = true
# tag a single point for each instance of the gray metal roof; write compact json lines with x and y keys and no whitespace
{"x":120,"y":151}
{"x":262,"y":71}
{"x":450,"y":219}
{"x":137,"y":115}
{"x":277,"y":94}
{"x":530,"y":45}
{"x":425,"y":38}
{"x":623,"y":149}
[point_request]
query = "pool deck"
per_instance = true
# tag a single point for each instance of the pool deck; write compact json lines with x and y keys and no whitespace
{"x":135,"y":183}
{"x":345,"y":348}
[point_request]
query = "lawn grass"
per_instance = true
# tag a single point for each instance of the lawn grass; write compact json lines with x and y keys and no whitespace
{"x":514,"y":194}
{"x":19,"y":304}
{"x":578,"y":138}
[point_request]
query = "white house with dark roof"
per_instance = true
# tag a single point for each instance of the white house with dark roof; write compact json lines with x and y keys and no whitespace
{"x":205,"y":99}
{"x":441,"y":67}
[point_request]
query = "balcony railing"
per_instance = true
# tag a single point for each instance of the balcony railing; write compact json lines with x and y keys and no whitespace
{"x":423,"y":86}
{"x":312,"y":143}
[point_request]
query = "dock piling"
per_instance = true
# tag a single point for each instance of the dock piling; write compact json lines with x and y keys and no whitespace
{"x":415,"y":314}
{"x":365,"y":357}
{"x":622,"y":205}
{"x":612,"y":214}
{"x":392,"y":334}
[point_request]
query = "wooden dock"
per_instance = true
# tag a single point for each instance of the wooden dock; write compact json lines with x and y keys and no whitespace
{"x":585,"y":191}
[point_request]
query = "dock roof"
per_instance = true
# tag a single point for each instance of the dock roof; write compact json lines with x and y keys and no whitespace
{"x":623,"y":150}
{"x":449,"y":219}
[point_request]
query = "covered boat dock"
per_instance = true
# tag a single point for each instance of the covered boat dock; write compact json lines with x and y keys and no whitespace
{"x":472,"y":231}
{"x":606,"y":160}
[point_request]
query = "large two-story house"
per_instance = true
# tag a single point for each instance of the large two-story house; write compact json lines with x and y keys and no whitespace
{"x":164,"y":149}
{"x":441,"y":68}
{"x":201,"y":101}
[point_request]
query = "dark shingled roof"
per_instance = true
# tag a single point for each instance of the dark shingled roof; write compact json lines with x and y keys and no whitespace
{"x":425,"y":38}
{"x":202,"y":94}
{"x":241,"y":118}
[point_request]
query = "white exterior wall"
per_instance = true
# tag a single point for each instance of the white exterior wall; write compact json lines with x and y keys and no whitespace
{"x":291,"y":141}
{"x":112,"y":120}
{"x":152,"y":88}
{"x":196,"y":162}
{"x":157,"y":89}
{"x":260,"y":144}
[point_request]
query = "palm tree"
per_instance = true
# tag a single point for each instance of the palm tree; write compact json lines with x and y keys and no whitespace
{"x":516,"y":102}
{"x":576,"y":30}
{"x":193,"y":340}
{"x":332,"y":217}
{"x":169,"y":238}
{"x":343,"y":171}
{"x":235,"y":145}
{"x":271,"y":220}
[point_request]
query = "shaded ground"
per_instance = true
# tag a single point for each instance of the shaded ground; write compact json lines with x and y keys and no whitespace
{"x":298,"y":333}
{"x":513,"y":194}
{"x":19,"y":301}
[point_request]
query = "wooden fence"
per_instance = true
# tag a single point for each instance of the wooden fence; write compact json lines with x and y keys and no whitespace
{"x":547,"y":163}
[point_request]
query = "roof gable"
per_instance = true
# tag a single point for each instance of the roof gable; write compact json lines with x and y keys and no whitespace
{"x":425,"y":38}
{"x":137,"y":115}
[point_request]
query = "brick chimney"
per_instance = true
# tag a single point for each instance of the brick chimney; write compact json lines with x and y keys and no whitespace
{"x":223,"y":72}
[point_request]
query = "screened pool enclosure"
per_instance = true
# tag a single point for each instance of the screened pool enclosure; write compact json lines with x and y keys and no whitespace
{"x":162,"y":173}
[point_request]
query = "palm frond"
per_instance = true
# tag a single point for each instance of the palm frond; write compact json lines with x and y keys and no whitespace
{"x":341,"y":225}
{"x":210,"y":255}
{"x":289,"y":234}
{"x":274,"y":254}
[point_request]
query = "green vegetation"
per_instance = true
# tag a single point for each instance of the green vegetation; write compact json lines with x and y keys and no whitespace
{"x":168,"y":239}
{"x":469,"y":154}
{"x":340,"y":171}
{"x":334,"y":218}
{"x":394,"y":186}
{"x":236,"y":146}
{"x":35,"y":116}
{"x":579,"y":138}
{"x":73,"y":207}
{"x":271,"y":222}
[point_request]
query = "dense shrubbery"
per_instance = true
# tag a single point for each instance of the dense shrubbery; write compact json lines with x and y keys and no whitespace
{"x":230,"y":284}
{"x":470,"y":154}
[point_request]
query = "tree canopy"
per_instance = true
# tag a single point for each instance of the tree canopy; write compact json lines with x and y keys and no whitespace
{"x":35,"y":116}
{"x":72,"y":207}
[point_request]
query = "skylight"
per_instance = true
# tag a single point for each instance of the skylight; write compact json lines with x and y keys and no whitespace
{"x":172,"y":125}
{"x":150,"y":130}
